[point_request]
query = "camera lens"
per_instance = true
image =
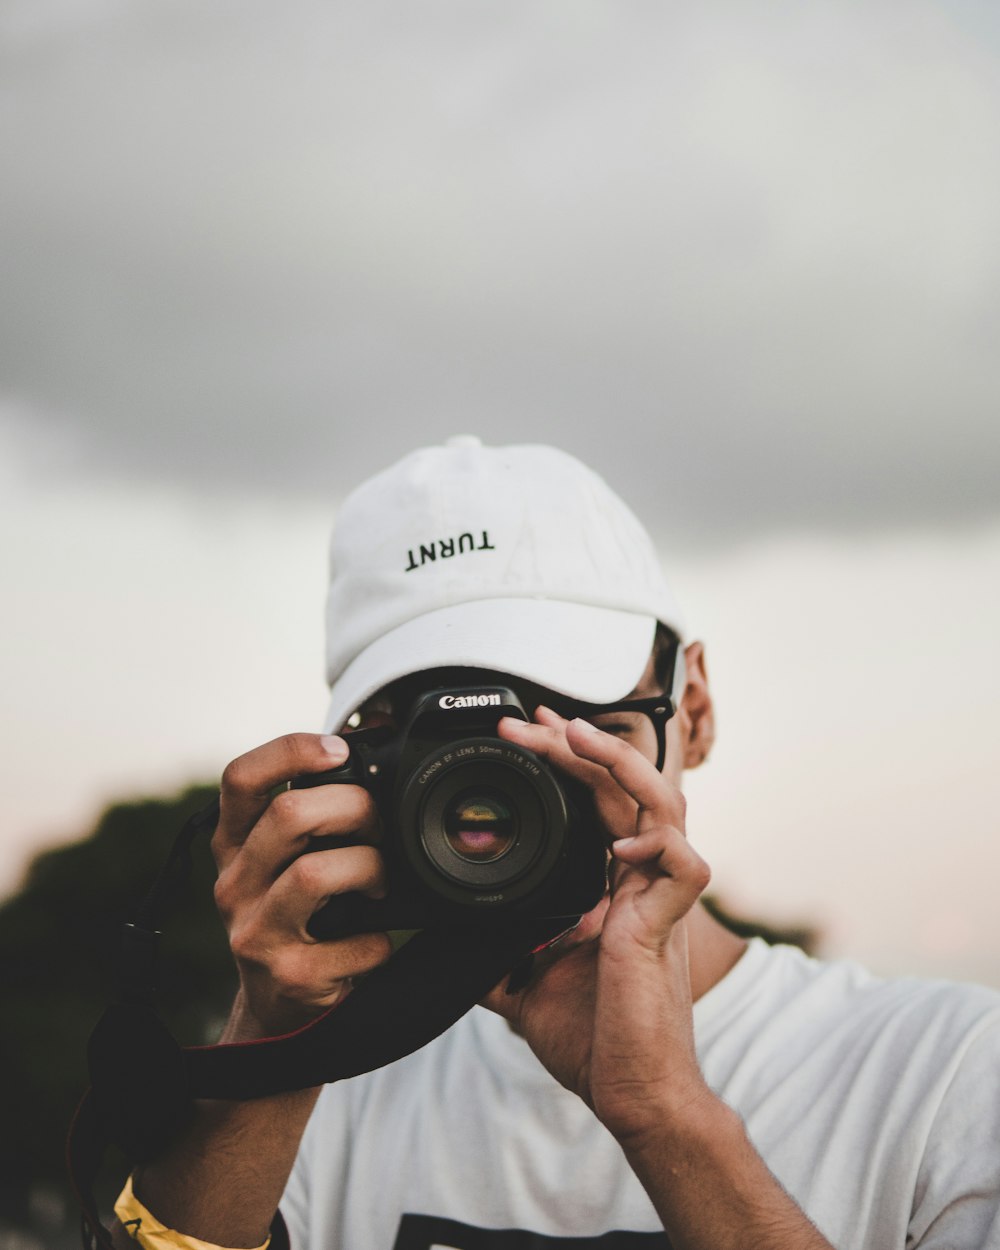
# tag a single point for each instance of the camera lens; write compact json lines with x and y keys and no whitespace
{"x":481,"y":822}
{"x":479,"y":827}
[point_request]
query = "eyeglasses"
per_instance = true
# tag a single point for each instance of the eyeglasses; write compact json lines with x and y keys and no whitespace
{"x":640,"y":722}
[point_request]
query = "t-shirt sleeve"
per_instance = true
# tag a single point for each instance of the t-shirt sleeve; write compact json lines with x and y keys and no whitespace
{"x":957,"y":1197}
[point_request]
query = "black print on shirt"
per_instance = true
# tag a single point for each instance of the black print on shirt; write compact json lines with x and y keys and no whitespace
{"x":430,"y":1232}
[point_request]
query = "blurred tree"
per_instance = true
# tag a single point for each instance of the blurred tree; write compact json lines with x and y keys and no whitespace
{"x":59,"y":940}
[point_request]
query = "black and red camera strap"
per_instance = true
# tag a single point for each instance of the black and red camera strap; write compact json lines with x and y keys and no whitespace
{"x":144,"y":1084}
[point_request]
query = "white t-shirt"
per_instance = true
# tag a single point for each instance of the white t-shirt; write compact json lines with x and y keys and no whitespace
{"x":875,"y":1103}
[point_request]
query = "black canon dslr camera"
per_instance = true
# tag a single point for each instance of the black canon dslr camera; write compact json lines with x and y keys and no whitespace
{"x":475,"y":829}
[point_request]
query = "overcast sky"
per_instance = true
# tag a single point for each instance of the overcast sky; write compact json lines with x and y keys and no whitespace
{"x":751,"y":251}
{"x":744,"y":261}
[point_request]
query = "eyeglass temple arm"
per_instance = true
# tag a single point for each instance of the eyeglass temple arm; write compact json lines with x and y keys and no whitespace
{"x":678,"y":681}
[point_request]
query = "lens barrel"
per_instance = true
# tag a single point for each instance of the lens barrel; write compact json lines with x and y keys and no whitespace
{"x":482,"y":821}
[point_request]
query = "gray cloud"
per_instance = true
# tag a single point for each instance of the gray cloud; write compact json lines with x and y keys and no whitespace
{"x":745,"y":262}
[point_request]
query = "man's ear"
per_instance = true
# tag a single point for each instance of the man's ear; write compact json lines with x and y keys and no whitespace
{"x":698,"y":712}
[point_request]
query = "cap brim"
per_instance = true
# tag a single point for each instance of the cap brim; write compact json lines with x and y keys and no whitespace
{"x":590,"y":653}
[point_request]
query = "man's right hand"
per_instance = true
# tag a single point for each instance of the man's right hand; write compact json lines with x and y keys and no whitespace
{"x":268,"y":887}
{"x":222,"y":1179}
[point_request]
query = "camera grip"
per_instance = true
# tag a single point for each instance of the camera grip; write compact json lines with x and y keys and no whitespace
{"x":350,"y":774}
{"x":363,"y":766}
{"x":344,"y":915}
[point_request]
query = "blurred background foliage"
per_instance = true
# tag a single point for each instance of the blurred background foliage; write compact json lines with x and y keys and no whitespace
{"x":59,"y":943}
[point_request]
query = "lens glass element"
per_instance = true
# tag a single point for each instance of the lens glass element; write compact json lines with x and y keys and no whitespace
{"x":478,"y":826}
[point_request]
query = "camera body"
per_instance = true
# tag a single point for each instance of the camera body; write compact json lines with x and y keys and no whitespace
{"x":476,"y":830}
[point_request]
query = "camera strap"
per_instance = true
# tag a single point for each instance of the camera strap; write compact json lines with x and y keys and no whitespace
{"x":144,"y":1084}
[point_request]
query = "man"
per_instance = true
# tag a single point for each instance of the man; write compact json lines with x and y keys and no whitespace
{"x":656,"y":1081}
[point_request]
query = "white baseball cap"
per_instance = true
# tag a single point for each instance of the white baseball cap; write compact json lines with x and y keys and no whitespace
{"x":517,"y":559}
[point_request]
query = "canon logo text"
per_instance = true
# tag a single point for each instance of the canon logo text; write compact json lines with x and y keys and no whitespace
{"x":469,"y":700}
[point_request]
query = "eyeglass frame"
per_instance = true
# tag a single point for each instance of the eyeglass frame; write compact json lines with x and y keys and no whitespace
{"x":660,"y":708}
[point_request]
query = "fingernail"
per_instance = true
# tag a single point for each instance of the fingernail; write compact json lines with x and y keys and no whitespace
{"x":548,"y":712}
{"x":335,"y":747}
{"x":585,"y":724}
{"x":513,"y":722}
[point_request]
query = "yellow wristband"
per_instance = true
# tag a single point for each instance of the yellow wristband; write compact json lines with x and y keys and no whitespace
{"x":142,"y":1226}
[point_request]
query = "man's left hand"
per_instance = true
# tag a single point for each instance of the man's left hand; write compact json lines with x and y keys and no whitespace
{"x":608,"y":1010}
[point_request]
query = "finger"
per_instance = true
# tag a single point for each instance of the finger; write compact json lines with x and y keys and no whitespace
{"x":665,"y":851}
{"x":546,"y":716}
{"x":658,"y":801}
{"x":663,"y":865}
{"x":312,"y":879}
{"x":314,"y":975}
{"x":615,"y":806}
{"x":594,"y":755}
{"x":249,"y":780}
{"x":312,"y":971}
{"x":290,"y":821}
{"x":549,"y":742}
